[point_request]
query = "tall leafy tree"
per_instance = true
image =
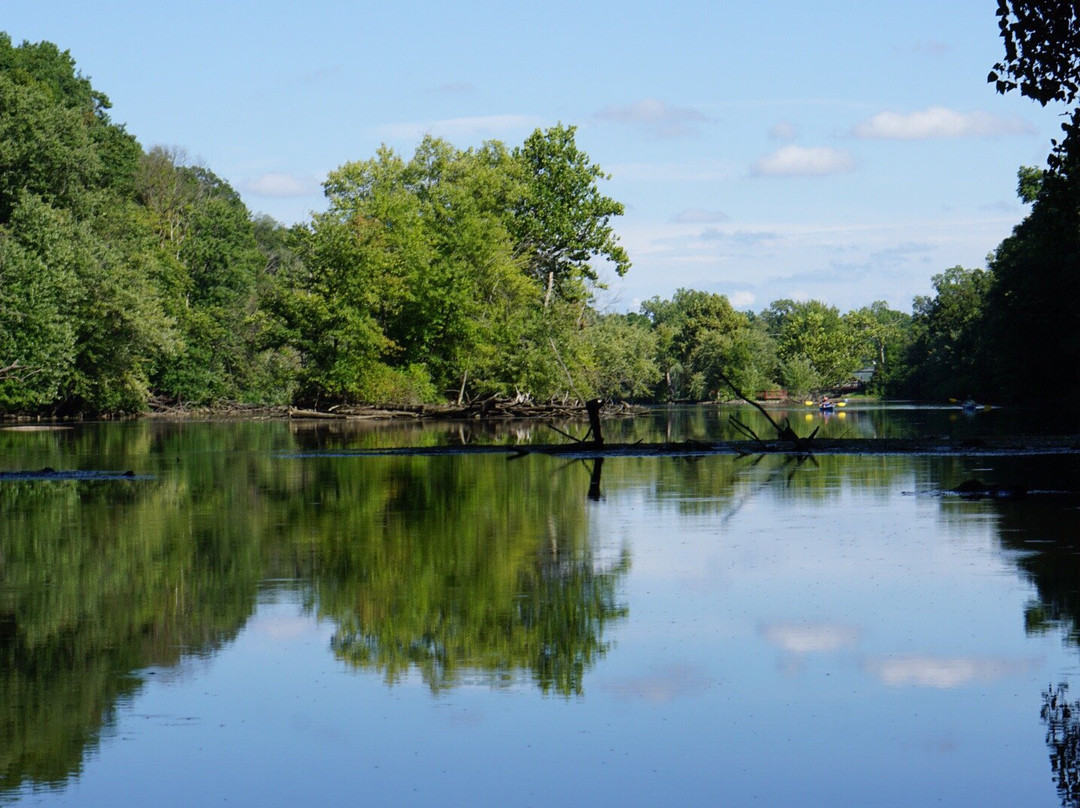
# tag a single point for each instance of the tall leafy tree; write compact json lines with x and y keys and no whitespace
{"x":211,"y":271}
{"x":620,"y":357}
{"x":38,"y":289}
{"x":702,"y":340}
{"x":812,"y":335}
{"x":950,"y":344}
{"x":881,"y":337}
{"x":562,"y":222}
{"x":1032,"y":316}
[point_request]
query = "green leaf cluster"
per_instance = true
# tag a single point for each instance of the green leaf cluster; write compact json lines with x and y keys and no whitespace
{"x":453,"y":272}
{"x":124,"y":275}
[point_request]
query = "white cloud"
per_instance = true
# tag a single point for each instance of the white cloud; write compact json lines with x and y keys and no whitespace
{"x":803,"y":161}
{"x":742,"y":299}
{"x":938,"y":122}
{"x":658,"y":117}
{"x":489,"y":125}
{"x":282,"y":185}
{"x":943,"y":672}
{"x":784,"y":130}
{"x":807,"y":638}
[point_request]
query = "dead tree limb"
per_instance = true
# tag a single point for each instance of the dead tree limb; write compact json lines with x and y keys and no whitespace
{"x":592,"y":406}
{"x":784,"y":432}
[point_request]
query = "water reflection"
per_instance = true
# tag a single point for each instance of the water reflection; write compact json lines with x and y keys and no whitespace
{"x":1062,"y":719}
{"x":444,"y":570}
{"x":455,"y":569}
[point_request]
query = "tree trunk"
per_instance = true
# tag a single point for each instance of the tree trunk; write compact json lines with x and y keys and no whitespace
{"x":461,"y":392}
{"x":593,"y":406}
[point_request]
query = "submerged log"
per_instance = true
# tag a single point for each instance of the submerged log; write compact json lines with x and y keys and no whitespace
{"x":977,"y":489}
{"x":824,"y":446}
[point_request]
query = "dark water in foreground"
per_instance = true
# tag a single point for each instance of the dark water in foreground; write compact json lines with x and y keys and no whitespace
{"x":255,"y":619}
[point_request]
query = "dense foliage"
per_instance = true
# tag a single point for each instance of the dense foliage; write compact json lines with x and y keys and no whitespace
{"x":1030,"y":325}
{"x":130,"y":277}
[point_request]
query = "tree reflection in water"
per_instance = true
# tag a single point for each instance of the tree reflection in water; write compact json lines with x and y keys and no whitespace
{"x":1062,"y":721}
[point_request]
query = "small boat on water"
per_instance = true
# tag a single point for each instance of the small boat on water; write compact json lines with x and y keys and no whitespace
{"x":969,"y":405}
{"x":827,"y":406}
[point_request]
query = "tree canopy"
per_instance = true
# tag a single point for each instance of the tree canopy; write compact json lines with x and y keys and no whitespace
{"x":133,"y":278}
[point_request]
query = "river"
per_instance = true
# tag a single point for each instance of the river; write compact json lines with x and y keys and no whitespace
{"x":257,"y":613}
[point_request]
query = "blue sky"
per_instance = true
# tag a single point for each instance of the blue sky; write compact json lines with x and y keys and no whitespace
{"x":844,"y":151}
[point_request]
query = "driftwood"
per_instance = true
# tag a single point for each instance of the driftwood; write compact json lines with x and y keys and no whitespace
{"x":295,"y":413}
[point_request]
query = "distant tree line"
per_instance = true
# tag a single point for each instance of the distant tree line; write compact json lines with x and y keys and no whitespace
{"x":130,"y":277}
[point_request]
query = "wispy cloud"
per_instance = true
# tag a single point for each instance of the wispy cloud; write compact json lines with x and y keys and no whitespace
{"x":663,"y":685}
{"x":742,"y":299}
{"x":810,"y":638}
{"x":744,"y":238}
{"x":938,"y":122}
{"x":487,"y":125}
{"x":693,"y":171}
{"x":657,"y":117}
{"x":943,"y":672}
{"x":700,"y":216}
{"x":282,"y":185}
{"x":803,"y":161}
{"x":784,"y":130}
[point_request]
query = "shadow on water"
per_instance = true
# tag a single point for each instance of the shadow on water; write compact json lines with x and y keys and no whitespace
{"x":455,"y":569}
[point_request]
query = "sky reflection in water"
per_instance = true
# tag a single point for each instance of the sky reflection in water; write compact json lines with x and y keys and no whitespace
{"x":749,"y":632}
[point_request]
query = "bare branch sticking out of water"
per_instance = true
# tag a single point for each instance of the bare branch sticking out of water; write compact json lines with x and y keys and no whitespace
{"x":783,"y":433}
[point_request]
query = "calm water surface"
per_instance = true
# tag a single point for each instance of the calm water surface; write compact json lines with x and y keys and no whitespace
{"x":257,"y":617}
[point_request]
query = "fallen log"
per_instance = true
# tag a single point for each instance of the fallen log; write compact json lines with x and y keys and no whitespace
{"x":991,"y":447}
{"x":297,"y":413}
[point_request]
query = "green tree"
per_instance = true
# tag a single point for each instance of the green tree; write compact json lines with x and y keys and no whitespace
{"x":562,"y":223}
{"x":815,"y":333}
{"x":56,"y":139}
{"x":38,"y":289}
{"x":948,"y":353}
{"x":88,"y":325}
{"x":213,"y":285}
{"x":1029,"y":182}
{"x":1031,"y":314}
{"x":620,"y":357}
{"x":414,"y":266}
{"x":701,"y":339}
{"x":881,"y":338}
